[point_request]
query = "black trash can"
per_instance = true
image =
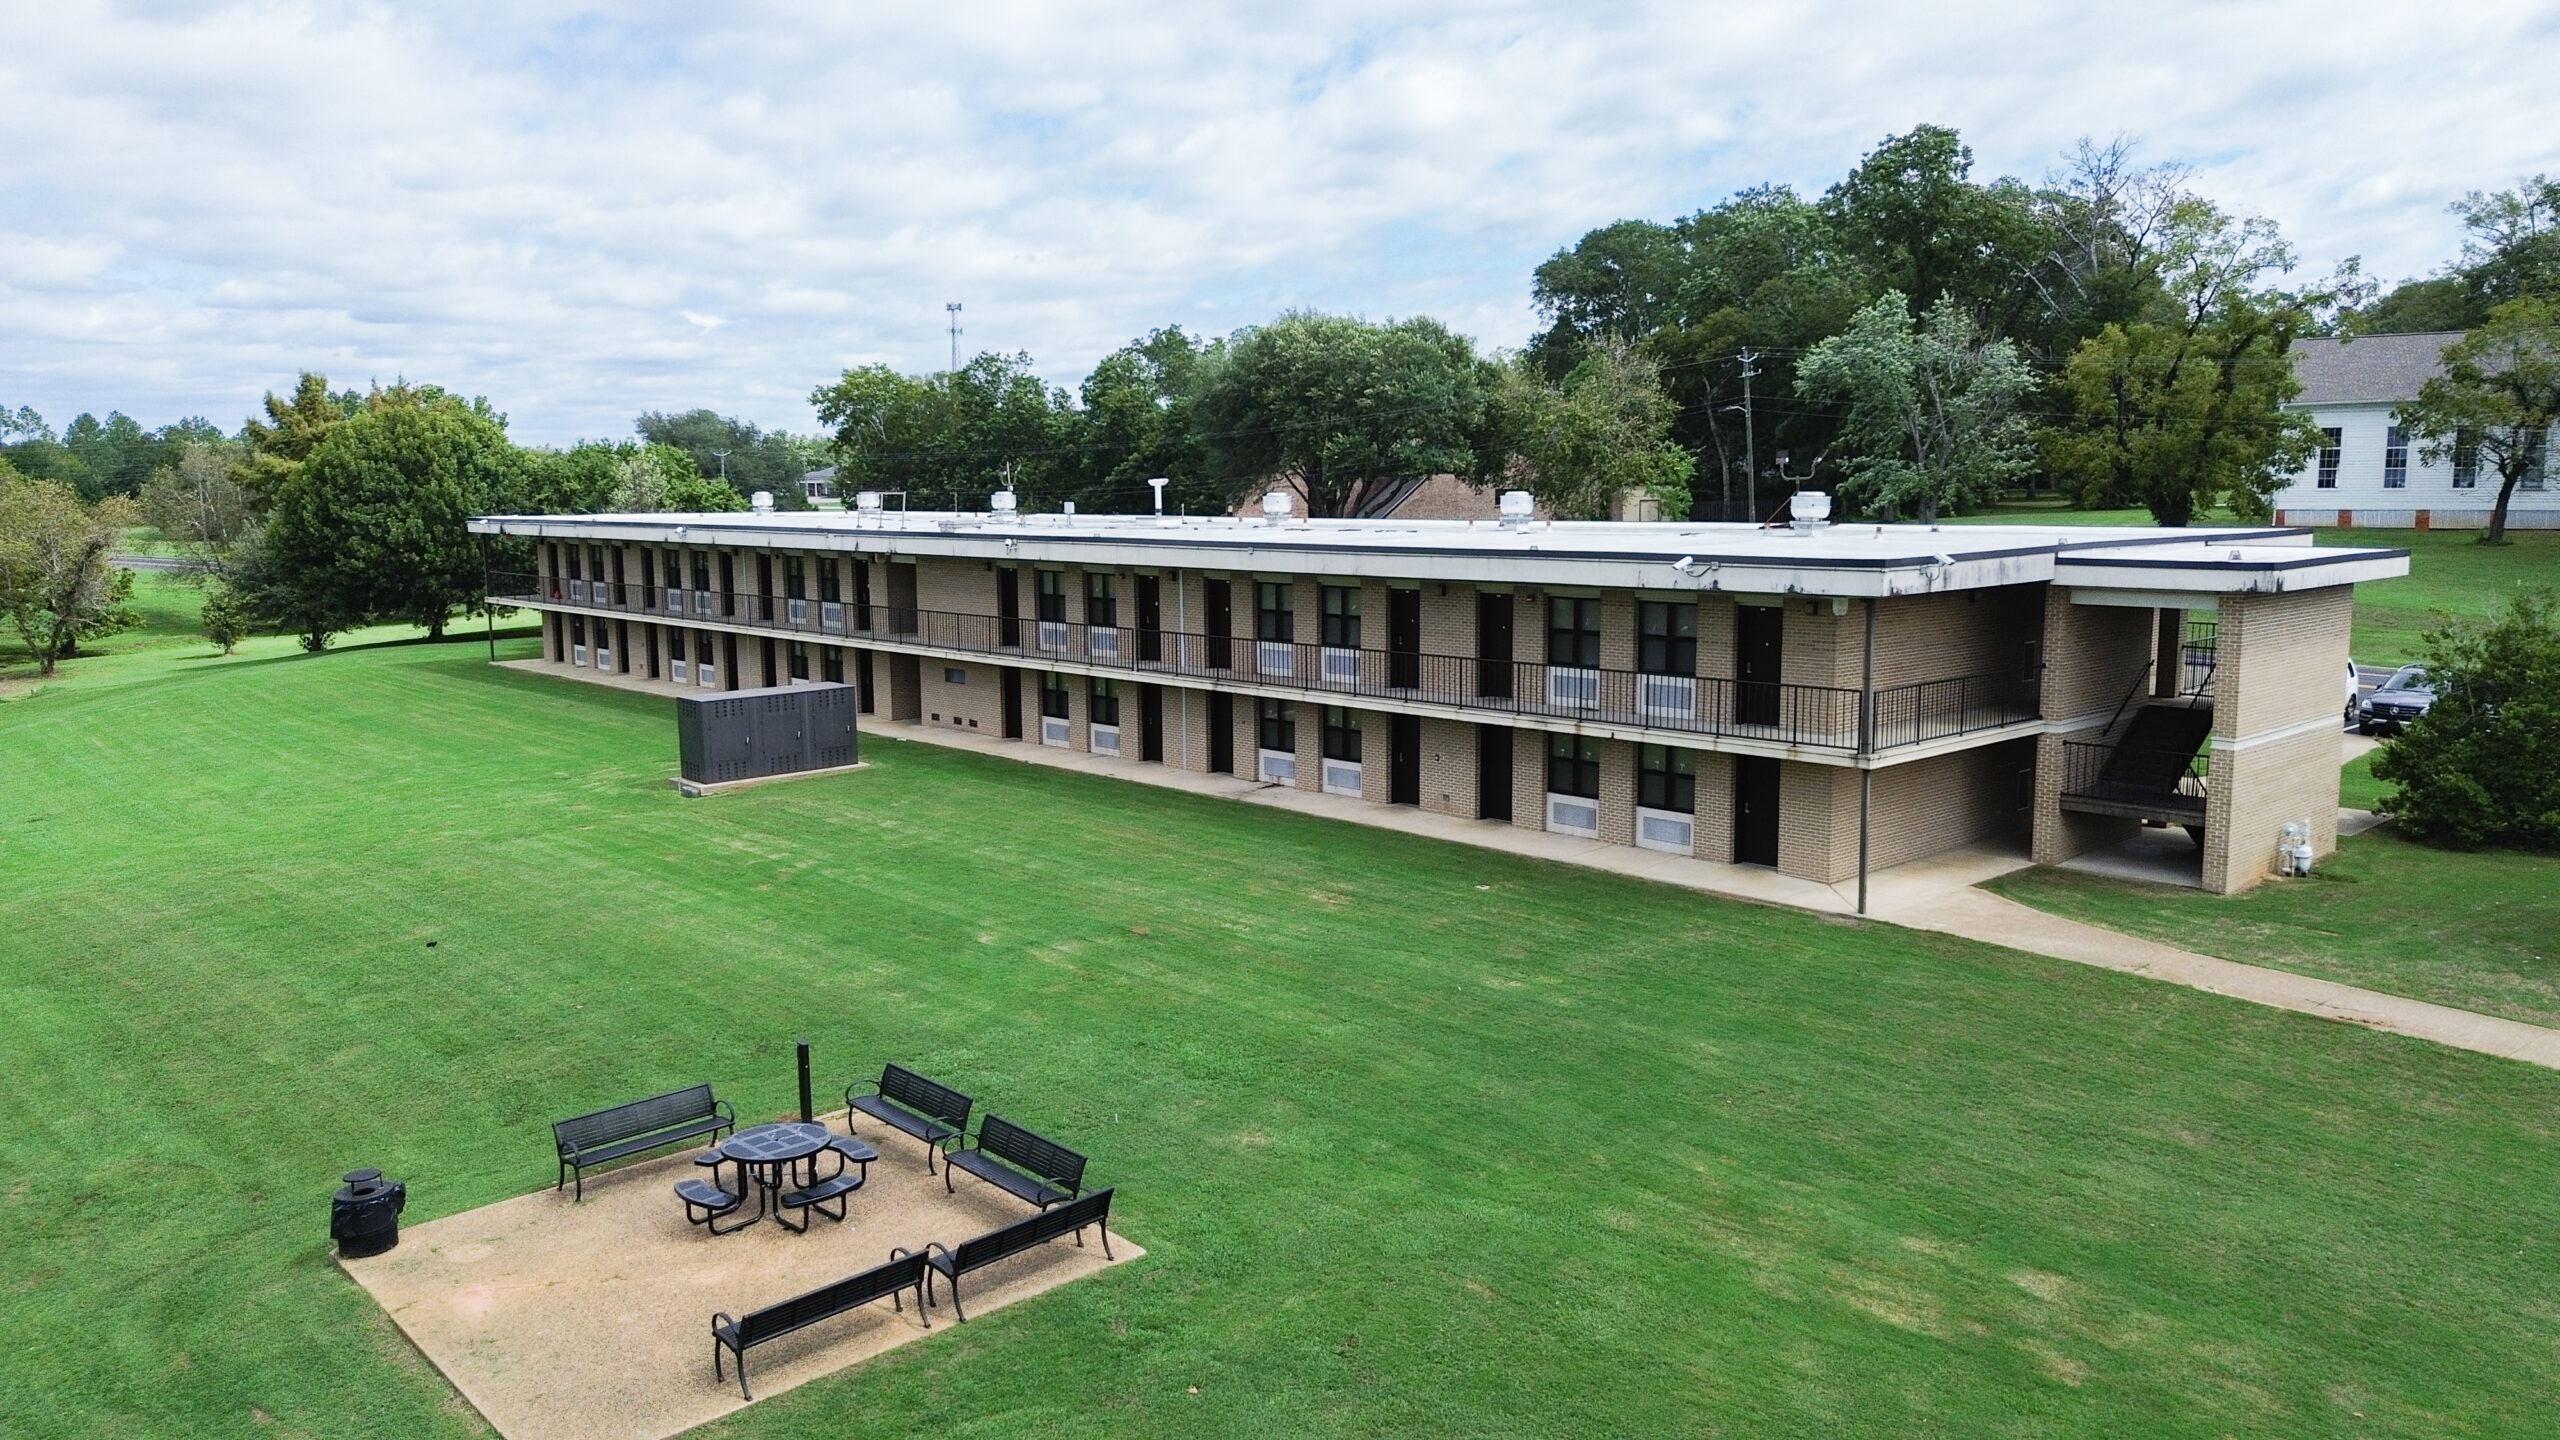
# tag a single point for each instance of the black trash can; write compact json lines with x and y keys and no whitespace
{"x":364,"y":1216}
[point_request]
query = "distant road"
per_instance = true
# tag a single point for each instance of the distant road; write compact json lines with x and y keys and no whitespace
{"x":147,"y":562}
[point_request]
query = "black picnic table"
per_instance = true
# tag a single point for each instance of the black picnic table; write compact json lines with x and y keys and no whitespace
{"x":768,"y":1151}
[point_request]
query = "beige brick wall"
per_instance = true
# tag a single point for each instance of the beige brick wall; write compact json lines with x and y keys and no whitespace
{"x":2278,"y":664}
{"x":1813,"y":800}
{"x":965,"y":586}
{"x":1618,"y":792}
{"x":2255,"y":791}
{"x":1940,"y":637}
{"x":1713,"y":839}
{"x":2059,"y":834}
{"x":2280,"y":659}
{"x":1448,"y":763}
{"x":2092,"y":654}
{"x":976,"y":705}
{"x":1529,"y":775}
{"x":1940,"y":803}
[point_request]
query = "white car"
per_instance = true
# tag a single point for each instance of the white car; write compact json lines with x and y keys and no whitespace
{"x":2355,"y":706}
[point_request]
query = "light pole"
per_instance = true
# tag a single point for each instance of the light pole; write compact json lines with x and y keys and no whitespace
{"x":952,"y":309}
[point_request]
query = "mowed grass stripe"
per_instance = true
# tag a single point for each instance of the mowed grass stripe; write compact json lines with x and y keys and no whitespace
{"x":1564,"y":1154}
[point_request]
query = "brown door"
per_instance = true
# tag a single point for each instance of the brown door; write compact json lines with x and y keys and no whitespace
{"x":1150,"y":720}
{"x":1404,"y":639}
{"x":1151,"y":627}
{"x":1493,"y":768}
{"x":1755,"y":810}
{"x":1493,"y":652}
{"x":1217,"y":602}
{"x":1758,"y":631}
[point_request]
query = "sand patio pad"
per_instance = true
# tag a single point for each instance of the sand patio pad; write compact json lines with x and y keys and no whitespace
{"x":592,"y":1320}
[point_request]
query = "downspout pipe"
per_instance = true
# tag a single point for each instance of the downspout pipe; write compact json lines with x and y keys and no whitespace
{"x":1866,"y":749}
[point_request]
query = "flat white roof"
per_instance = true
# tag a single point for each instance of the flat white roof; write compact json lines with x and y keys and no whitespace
{"x":1848,"y":560}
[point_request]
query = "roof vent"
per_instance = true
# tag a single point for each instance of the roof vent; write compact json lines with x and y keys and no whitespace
{"x":867,"y":501}
{"x":1518,"y":508}
{"x":1001,"y":503}
{"x":1276,"y":505}
{"x":1809,"y":509}
{"x":761,"y":502}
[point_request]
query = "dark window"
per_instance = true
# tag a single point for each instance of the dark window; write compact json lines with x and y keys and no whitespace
{"x":1573,"y":635}
{"x":1101,"y":599}
{"x":954,"y":675}
{"x":1278,"y":726}
{"x":1573,"y":766}
{"x":578,"y":630}
{"x":831,"y":665}
{"x":2466,"y":459}
{"x":1342,"y":618}
{"x":1053,"y":695}
{"x":830,"y":591}
{"x":795,"y":578}
{"x":2395,"y":458}
{"x":675,"y":569}
{"x":1667,"y":779}
{"x":701,"y":570}
{"x":1341,"y":733}
{"x":648,"y":576}
{"x":1666,"y":638}
{"x":728,"y":583}
{"x":2534,"y":474}
{"x":1273,"y":617}
{"x":799,"y":661}
{"x":617,"y":576}
{"x":2331,"y":442}
{"x":577,"y":562}
{"x":675,"y":644}
{"x":1053,"y":596}
{"x":1106,"y":701}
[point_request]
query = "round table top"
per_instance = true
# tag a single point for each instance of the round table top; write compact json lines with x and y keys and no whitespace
{"x":772,"y":1144}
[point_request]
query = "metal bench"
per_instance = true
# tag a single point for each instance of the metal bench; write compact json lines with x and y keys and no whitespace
{"x":837,"y":1187}
{"x":1031,"y":1168}
{"x":906,"y":1101}
{"x":1013,"y":1239}
{"x":641,"y":1126}
{"x":903,"y":1271}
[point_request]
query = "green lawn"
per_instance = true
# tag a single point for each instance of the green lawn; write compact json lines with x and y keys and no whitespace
{"x":2450,"y":572}
{"x":2478,"y":930}
{"x":1423,"y":1140}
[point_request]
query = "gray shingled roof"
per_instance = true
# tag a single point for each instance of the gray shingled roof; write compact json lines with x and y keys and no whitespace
{"x":2373,"y":367}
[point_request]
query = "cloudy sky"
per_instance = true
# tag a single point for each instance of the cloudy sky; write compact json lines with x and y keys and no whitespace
{"x":584,"y":214}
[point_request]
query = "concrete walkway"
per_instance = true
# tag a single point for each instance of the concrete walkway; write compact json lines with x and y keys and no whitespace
{"x":1940,"y":893}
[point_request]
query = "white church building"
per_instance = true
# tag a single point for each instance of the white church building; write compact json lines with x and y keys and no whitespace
{"x":2369,"y":471}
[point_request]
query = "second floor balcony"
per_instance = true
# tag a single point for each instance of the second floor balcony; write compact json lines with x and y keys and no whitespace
{"x":1825,"y":717}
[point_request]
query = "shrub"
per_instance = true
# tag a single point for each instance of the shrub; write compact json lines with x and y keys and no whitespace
{"x":2482,"y":767}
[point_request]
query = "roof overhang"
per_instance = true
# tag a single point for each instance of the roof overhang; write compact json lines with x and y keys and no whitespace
{"x":2213,"y":568}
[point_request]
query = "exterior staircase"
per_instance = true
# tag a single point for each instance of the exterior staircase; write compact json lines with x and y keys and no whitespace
{"x":2153,"y":770}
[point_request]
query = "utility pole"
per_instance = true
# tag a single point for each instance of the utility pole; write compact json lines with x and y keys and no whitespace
{"x":724,"y":465}
{"x":952,"y":309}
{"x":1750,"y":454}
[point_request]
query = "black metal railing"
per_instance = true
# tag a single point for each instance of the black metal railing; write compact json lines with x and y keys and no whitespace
{"x":2130,"y":778}
{"x":1817,"y":716}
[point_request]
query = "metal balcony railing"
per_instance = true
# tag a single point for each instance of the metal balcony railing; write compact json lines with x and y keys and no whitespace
{"x":1815,"y":716}
{"x":2107,"y":778}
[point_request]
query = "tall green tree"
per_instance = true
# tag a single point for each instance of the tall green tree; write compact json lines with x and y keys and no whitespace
{"x":371,"y":524}
{"x":1932,"y":409}
{"x":1138,"y":424}
{"x":2496,"y":401}
{"x":740,"y":454}
{"x":2482,"y":766}
{"x":55,"y":581}
{"x":1597,"y":440}
{"x":1338,"y":407}
{"x":2185,"y":408}
{"x":294,"y":427}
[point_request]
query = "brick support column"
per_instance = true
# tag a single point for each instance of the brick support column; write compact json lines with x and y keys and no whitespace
{"x":2275,"y":730}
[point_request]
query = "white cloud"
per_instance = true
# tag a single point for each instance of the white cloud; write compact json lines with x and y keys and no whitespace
{"x":584,"y":217}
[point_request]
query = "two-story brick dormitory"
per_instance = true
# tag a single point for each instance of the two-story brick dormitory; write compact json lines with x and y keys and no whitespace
{"x":1823,"y":699}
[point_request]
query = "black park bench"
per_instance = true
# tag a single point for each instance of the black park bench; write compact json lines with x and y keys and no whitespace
{"x":1013,"y":1239}
{"x":1031,"y":1168}
{"x":904,"y":1100}
{"x":642,"y":1125}
{"x":902,"y":1272}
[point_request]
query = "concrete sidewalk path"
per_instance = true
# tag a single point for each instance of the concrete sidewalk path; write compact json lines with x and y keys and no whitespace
{"x":1940,"y":893}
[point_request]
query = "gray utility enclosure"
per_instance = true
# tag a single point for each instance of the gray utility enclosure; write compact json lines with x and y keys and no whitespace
{"x":744,"y":734}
